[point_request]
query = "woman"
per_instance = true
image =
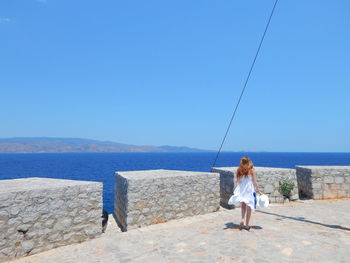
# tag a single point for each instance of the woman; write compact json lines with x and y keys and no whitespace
{"x":245,"y":191}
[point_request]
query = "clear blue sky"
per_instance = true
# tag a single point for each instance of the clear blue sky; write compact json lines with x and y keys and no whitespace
{"x":170,"y":72}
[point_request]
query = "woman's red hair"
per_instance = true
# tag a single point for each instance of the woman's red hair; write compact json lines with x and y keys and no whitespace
{"x":245,"y":165}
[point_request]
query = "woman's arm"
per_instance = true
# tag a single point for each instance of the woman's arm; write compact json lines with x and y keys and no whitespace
{"x":256,"y":186}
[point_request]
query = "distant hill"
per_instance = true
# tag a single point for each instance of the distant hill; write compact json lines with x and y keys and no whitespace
{"x":60,"y":145}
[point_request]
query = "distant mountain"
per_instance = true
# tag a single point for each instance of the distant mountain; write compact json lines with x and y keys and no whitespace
{"x":60,"y":145}
{"x":168,"y":148}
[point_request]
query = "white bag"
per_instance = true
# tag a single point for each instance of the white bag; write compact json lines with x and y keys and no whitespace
{"x":263,"y":201}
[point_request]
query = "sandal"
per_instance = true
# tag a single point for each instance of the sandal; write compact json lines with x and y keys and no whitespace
{"x":248,"y":228}
{"x":241,"y":225}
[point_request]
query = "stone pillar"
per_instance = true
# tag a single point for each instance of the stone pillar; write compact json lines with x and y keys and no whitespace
{"x":324,"y":182}
{"x":37,"y":214}
{"x":227,"y":181}
{"x":155,"y":196}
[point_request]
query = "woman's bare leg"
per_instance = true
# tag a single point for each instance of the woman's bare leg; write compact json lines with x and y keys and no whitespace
{"x":248,"y":214}
{"x":243,"y":211}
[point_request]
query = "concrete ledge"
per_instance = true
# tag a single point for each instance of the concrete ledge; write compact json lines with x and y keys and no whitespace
{"x":37,"y":214}
{"x":268,"y":179}
{"x":155,"y":196}
{"x":324,"y":182}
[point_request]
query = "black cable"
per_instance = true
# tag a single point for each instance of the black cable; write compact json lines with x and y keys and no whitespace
{"x":246,"y":81}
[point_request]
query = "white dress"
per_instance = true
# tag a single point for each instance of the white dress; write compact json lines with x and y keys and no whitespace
{"x":244,"y":192}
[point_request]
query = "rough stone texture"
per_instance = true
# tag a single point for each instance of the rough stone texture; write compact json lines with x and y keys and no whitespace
{"x":38,"y":214}
{"x":324,"y":182}
{"x":227,"y":175}
{"x":268,"y":180}
{"x":155,"y":196}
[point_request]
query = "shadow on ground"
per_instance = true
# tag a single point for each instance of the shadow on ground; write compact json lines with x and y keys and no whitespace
{"x":232,"y":225}
{"x":303,"y":219}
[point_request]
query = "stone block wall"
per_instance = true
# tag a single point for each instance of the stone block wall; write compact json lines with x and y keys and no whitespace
{"x":268,"y":179}
{"x":155,"y":196}
{"x":324,"y":182}
{"x":227,"y":181}
{"x":269,"y":182}
{"x":37,"y":214}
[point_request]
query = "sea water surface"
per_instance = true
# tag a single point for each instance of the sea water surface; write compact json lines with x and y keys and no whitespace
{"x":101,"y":167}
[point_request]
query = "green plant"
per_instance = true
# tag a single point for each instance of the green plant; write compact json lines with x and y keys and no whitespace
{"x":286,"y":187}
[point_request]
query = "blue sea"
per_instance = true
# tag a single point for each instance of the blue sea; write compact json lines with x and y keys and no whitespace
{"x":101,"y":167}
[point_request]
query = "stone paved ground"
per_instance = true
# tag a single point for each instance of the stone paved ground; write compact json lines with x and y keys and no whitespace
{"x":303,"y":231}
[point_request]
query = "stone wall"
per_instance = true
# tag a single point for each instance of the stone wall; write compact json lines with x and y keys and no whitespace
{"x":38,"y":214}
{"x":227,"y":175}
{"x":155,"y":196}
{"x":324,"y":182}
{"x":268,"y":179}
